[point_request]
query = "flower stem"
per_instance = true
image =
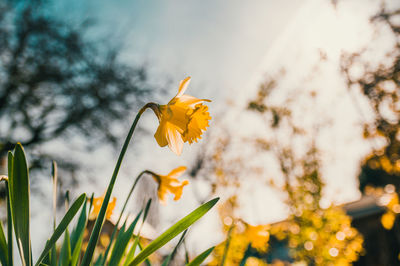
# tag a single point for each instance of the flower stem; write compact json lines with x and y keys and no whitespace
{"x":87,"y":258}
{"x":227,"y":243}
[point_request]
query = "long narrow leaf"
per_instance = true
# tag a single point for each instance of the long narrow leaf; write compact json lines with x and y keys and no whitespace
{"x":19,"y":199}
{"x":3,"y":247}
{"x":131,"y":252}
{"x":53,"y":255}
{"x":80,"y":226}
{"x":62,"y":226}
{"x":174,"y":230}
{"x":9,"y":222}
{"x":77,"y":251}
{"x":199,"y":259}
{"x":146,"y":260}
{"x":122,"y":241}
{"x":65,"y":253}
{"x":77,"y":235}
{"x":173,"y":253}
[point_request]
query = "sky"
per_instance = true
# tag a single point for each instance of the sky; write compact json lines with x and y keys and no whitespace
{"x":228,"y":49}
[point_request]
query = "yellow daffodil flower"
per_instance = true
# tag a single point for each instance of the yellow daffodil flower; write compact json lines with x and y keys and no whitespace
{"x":170,"y":183}
{"x":183,"y":119}
{"x":97,"y":202}
{"x":258,"y":236}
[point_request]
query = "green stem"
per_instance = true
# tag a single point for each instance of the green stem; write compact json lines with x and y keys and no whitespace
{"x":122,"y":211}
{"x":87,"y":258}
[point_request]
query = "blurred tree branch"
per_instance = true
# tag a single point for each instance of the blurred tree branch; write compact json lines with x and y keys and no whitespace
{"x":380,"y":84}
{"x":56,"y":84}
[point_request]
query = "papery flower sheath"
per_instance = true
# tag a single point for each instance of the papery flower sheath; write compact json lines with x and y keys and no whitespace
{"x":183,"y":119}
{"x":97,"y":202}
{"x":170,"y":184}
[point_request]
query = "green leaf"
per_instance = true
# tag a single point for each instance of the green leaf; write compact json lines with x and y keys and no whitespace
{"x":173,"y":253}
{"x":19,"y":198}
{"x":122,"y":241}
{"x":131,"y":253}
{"x":3,"y":247}
{"x":65,"y":253}
{"x":53,"y":255}
{"x":146,"y":210}
{"x":62,"y":226}
{"x":9,"y":219}
{"x":99,"y":260}
{"x":77,"y":235}
{"x":146,"y":261}
{"x":199,"y":259}
{"x":174,"y":230}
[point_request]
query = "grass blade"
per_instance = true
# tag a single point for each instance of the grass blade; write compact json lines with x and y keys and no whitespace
{"x":19,"y":199}
{"x":3,"y":247}
{"x":199,"y":259}
{"x":174,"y":230}
{"x":62,"y":226}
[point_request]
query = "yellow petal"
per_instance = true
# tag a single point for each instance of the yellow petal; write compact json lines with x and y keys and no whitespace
{"x":174,"y":138}
{"x":177,"y":172}
{"x":188,"y":101}
{"x":183,"y":86}
{"x":161,"y":135}
{"x":162,"y":192}
{"x":177,"y":115}
{"x":177,"y":191}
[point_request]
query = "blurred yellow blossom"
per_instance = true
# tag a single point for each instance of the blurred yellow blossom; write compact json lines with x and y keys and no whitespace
{"x":183,"y":119}
{"x":387,"y":220}
{"x":170,"y":183}
{"x":258,"y":236}
{"x":252,"y":261}
{"x":97,"y":202}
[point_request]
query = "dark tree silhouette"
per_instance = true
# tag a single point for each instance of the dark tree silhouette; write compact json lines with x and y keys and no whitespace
{"x":56,"y":84}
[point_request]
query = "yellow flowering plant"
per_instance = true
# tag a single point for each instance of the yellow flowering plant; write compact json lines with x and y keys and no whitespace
{"x":183,"y":119}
